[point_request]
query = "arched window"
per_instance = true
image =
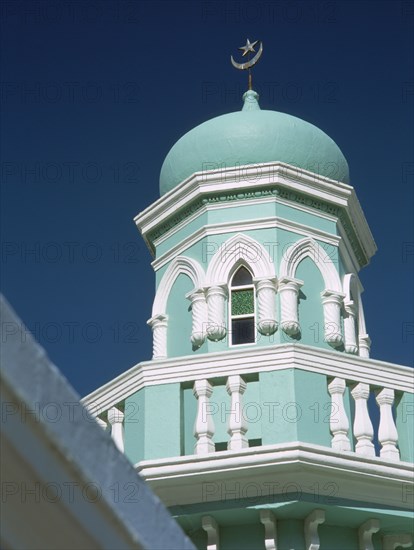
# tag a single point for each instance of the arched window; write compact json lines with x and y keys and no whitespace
{"x":242,"y":308}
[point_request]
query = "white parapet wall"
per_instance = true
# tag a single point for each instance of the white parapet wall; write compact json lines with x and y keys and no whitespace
{"x":64,"y":482}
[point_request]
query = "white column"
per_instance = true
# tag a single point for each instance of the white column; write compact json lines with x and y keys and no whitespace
{"x":237,"y":429}
{"x":204,"y":425}
{"x":312,"y":522}
{"x":363,"y":430}
{"x":216,"y":301}
{"x":116,"y":420}
{"x":266,"y":306}
{"x":387,"y":432}
{"x":392,"y":542}
{"x":199,"y":316}
{"x":209,"y":524}
{"x":289,"y":302}
{"x":332,"y":302}
{"x":338,"y":423}
{"x":159,"y":324}
{"x":365,"y":533}
{"x":268,"y":519}
{"x":351,"y":345}
{"x":364,"y":345}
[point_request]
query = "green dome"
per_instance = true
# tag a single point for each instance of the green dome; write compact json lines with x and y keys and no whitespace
{"x":252,"y":136}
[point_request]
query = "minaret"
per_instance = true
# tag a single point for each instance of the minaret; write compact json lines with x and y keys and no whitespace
{"x":261,"y":421}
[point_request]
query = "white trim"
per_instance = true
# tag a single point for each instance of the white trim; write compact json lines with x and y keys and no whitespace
{"x":180,"y":480}
{"x":181,"y":264}
{"x":246,"y":361}
{"x":239,"y":249}
{"x":246,"y":202}
{"x":282,"y":174}
{"x":305,"y":248}
{"x":230,"y":227}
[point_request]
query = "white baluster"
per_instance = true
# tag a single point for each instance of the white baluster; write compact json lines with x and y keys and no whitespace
{"x":387,"y":432}
{"x":332,"y":302}
{"x":266,"y":306}
{"x":199,"y":316}
{"x":339,"y":424}
{"x":209,"y":524}
{"x":204,"y":425}
{"x":159,"y":324}
{"x":268,"y":519}
{"x":363,"y":430}
{"x":365,"y":533}
{"x":392,"y":542}
{"x":237,"y":429}
{"x":216,"y":301}
{"x":116,"y":419}
{"x":289,"y":301}
{"x":351,"y":345}
{"x":312,"y":523}
{"x":364,"y":345}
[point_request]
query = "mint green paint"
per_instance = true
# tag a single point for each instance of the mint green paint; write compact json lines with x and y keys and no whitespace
{"x":163,"y":422}
{"x":297,"y":406}
{"x":331,"y":536}
{"x":404,"y":416}
{"x":276,"y":242}
{"x":291,"y":213}
{"x":311,"y":393}
{"x":237,"y":537}
{"x":180,"y":318}
{"x":290,"y":534}
{"x":245,"y":212}
{"x":134,"y":426}
{"x":311,"y":318}
{"x":249,"y":137}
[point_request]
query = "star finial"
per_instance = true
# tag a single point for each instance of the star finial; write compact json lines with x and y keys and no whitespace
{"x":249,"y":47}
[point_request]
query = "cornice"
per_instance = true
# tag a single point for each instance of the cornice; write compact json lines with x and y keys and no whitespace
{"x":271,"y":179}
{"x":249,"y":361}
{"x":273,"y":222}
{"x":181,"y":480}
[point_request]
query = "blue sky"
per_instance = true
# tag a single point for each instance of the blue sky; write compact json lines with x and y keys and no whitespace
{"x":93,"y":96}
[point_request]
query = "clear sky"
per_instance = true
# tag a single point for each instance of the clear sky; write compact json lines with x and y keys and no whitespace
{"x":94,"y":94}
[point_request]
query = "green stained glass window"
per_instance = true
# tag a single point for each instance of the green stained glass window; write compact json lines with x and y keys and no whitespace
{"x":242,"y":302}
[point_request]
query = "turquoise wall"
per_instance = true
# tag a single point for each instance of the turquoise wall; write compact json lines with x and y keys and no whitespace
{"x":276,"y":243}
{"x":297,"y":407}
{"x":157,"y":433}
{"x":404,"y":417}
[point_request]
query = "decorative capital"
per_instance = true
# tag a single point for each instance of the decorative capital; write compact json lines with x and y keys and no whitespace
{"x":289,"y":283}
{"x":115,"y":416}
{"x":332,"y":297}
{"x":337,"y":385}
{"x":202,"y":388}
{"x":261,"y":283}
{"x":385,"y":397}
{"x":159,"y":320}
{"x":360,"y":391}
{"x":196,"y":295}
{"x":235,"y":384}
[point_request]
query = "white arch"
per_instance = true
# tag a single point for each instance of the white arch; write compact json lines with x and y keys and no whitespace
{"x":239,"y":249}
{"x":181,"y":264}
{"x":304,"y":248}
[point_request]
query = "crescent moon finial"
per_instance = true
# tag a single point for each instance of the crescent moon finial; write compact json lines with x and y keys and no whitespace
{"x":247,"y":50}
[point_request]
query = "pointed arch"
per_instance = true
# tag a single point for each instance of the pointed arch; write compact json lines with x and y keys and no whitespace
{"x":181,"y":264}
{"x":309,"y":248}
{"x":236,"y":251}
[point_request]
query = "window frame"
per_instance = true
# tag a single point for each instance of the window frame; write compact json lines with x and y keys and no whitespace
{"x":231,"y":317}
